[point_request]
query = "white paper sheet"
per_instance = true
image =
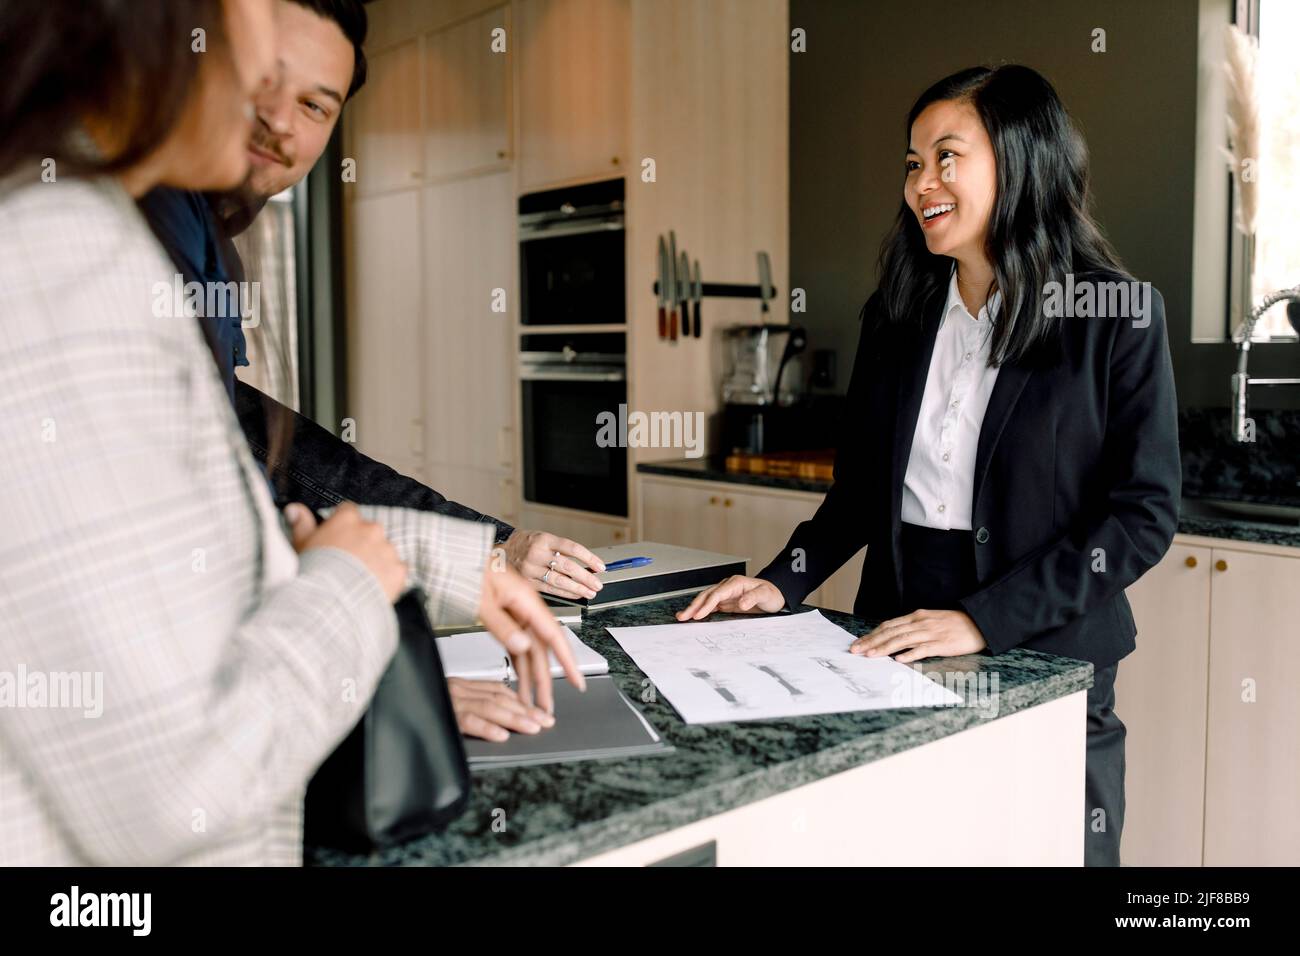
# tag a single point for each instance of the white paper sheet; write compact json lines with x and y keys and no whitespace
{"x":763,"y":668}
{"x":479,"y":656}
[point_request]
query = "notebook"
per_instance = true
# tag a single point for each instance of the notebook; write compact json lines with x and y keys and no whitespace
{"x":600,"y":724}
{"x":479,"y":656}
{"x":672,"y":571}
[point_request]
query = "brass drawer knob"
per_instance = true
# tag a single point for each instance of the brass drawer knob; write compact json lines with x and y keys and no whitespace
{"x":713,"y":499}
{"x":1221,"y":564}
{"x":1191,"y":561}
{"x":726,"y":502}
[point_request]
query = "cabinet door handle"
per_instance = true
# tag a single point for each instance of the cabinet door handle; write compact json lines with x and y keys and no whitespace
{"x":713,"y":499}
{"x":1221,"y":564}
{"x":726,"y":502}
{"x":618,"y":535}
{"x":1191,"y":561}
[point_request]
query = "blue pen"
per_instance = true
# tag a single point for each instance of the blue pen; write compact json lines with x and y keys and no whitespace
{"x":628,"y":563}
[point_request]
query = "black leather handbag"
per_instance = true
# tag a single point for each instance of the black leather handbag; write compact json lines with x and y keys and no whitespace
{"x":401,"y":772}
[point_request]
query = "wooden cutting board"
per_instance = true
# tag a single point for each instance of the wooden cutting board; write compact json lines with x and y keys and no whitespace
{"x":816,"y":465}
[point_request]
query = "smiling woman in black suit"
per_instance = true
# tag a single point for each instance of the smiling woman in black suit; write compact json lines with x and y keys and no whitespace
{"x":1010,"y":459}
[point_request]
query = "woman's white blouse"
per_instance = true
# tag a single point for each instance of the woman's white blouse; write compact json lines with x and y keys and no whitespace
{"x":939,"y":483}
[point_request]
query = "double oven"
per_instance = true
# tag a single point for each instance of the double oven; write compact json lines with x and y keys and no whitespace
{"x":573,"y":350}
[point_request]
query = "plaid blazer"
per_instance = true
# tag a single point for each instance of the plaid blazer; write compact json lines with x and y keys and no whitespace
{"x":165,"y":692}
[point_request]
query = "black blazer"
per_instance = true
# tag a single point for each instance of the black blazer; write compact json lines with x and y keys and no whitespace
{"x":1077,"y":483}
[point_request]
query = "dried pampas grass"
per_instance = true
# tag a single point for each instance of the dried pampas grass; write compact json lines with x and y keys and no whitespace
{"x":1241,"y":56}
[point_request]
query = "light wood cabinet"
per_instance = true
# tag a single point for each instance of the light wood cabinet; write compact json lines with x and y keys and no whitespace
{"x":1212,"y":758}
{"x":753,"y":523}
{"x":759,"y":525}
{"x":432,"y":255}
{"x":682,"y":514}
{"x":468,"y":357}
{"x":710,"y":107}
{"x":490,"y":492}
{"x":385,"y":136}
{"x":1252,"y":779}
{"x":384,"y":331}
{"x":593,"y":532}
{"x":467,"y":97}
{"x":573,"y":89}
{"x":1160,"y":697}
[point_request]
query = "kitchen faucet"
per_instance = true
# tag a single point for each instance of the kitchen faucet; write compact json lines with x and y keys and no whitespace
{"x":1241,"y":381}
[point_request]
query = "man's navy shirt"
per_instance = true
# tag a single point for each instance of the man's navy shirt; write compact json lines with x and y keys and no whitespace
{"x":188,"y":231}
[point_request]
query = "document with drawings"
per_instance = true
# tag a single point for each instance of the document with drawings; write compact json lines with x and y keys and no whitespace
{"x":762,"y":668}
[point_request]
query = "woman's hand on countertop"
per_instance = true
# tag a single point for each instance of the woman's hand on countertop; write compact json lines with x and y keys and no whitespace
{"x":922,"y":634}
{"x":566,"y":565}
{"x":736,"y":594}
{"x":491,"y":710}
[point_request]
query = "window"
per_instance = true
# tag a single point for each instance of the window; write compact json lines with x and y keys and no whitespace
{"x":267,"y":248}
{"x":1272,"y":261}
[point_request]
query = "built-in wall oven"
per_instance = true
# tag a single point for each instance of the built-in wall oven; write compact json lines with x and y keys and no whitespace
{"x":571,"y":256}
{"x":571,"y":384}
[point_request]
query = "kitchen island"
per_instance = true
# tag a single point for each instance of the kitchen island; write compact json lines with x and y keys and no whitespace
{"x":996,"y":780}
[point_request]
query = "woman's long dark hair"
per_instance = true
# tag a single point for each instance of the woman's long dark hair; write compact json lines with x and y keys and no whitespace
{"x":1040,"y":227}
{"x":131,"y":65}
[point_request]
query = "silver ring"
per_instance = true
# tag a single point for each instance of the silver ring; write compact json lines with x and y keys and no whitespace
{"x":545,"y":576}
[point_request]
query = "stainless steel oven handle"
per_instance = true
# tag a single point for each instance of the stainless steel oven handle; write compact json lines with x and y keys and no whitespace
{"x":578,"y":229}
{"x":540,"y":375}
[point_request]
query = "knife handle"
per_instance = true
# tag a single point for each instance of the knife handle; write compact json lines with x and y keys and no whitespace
{"x":672,"y":325}
{"x":686,"y":319}
{"x":697,"y":318}
{"x":663,"y":322}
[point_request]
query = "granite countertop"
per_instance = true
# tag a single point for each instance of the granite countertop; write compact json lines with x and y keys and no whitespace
{"x":714,"y":468}
{"x":563,"y":813}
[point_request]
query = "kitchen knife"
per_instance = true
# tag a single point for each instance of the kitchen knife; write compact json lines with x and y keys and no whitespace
{"x":764,"y":281}
{"x":697,"y":290}
{"x":672,"y":285}
{"x":663,"y":288}
{"x":686,"y":294}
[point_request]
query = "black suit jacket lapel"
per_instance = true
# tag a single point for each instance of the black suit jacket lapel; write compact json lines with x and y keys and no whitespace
{"x":913,"y":369}
{"x":1006,"y":392}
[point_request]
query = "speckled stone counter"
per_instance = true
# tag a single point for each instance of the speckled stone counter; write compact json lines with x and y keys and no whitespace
{"x":1237,"y":529}
{"x":563,"y":813}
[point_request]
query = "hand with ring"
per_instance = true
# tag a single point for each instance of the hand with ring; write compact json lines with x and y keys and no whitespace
{"x":557,"y":565}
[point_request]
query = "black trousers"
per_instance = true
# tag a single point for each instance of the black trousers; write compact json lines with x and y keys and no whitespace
{"x":938,"y":570}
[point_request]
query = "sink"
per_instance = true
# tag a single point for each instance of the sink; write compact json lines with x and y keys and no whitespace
{"x":1224,"y":508}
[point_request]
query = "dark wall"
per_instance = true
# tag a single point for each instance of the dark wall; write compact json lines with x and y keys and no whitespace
{"x":867,"y":61}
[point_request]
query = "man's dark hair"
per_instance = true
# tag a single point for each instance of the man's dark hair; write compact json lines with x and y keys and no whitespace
{"x":350,"y":15}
